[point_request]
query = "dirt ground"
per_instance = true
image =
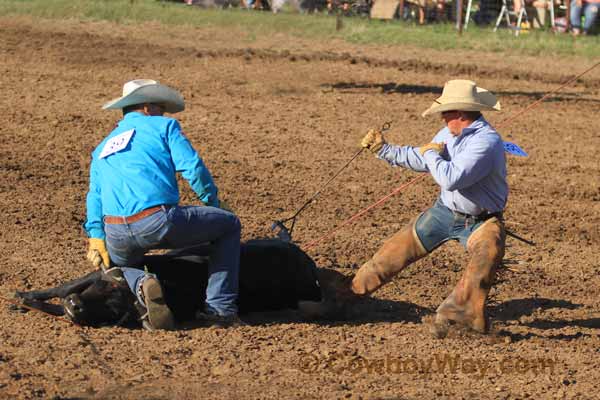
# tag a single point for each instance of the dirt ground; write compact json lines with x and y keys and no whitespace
{"x":273,"y":118}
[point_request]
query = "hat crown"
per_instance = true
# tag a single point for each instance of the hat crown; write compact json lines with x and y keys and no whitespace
{"x":141,"y":91}
{"x":463,"y":95}
{"x":461,"y":89}
{"x":135,"y":84}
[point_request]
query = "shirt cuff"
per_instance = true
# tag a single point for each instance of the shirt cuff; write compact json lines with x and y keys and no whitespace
{"x":381,"y":153}
{"x":96,"y":233}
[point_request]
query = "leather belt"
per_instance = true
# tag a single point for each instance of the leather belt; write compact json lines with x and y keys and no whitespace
{"x":109,"y":219}
{"x":481,"y":217}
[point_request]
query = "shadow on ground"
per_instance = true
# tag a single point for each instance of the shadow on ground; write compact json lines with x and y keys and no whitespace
{"x":393,"y":87}
{"x":513,"y":309}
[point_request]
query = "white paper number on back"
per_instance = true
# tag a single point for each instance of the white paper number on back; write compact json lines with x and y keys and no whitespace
{"x":117,"y":143}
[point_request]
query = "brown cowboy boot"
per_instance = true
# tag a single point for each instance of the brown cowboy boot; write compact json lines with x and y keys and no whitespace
{"x":397,"y":253}
{"x":466,"y":304}
{"x":339,"y":294}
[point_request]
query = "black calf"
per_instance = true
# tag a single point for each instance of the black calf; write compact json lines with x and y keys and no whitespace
{"x":274,"y":275}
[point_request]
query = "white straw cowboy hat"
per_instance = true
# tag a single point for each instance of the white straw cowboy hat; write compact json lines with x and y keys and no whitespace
{"x":141,"y":91}
{"x":463,"y":95}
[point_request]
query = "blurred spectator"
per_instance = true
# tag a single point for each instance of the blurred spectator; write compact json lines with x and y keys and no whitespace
{"x":432,"y":10}
{"x":537,"y":10}
{"x":541,"y":15}
{"x":488,"y":12}
{"x":589,"y":9}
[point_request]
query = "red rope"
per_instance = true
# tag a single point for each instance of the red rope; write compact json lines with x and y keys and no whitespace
{"x":402,"y":187}
{"x":366,"y":210}
{"x":535,"y":103}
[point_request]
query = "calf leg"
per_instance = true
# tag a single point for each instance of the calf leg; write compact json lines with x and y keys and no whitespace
{"x":62,"y":291}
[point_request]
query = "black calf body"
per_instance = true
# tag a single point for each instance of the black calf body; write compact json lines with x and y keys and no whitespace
{"x":274,"y":275}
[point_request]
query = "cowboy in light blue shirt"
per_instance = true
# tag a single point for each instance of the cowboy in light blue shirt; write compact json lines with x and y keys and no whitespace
{"x":466,"y":159}
{"x":471,"y":169}
{"x":132,"y":204}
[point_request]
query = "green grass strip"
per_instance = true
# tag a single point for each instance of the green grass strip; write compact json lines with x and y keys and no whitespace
{"x":315,"y":26}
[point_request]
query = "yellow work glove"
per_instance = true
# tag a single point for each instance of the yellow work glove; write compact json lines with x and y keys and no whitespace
{"x":224,"y":206}
{"x":437,"y":147}
{"x":373,"y":141}
{"x":97,"y":253}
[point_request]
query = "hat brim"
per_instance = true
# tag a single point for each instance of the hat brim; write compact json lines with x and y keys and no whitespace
{"x":170,"y":99}
{"x":487,"y":102}
{"x":439,"y":108}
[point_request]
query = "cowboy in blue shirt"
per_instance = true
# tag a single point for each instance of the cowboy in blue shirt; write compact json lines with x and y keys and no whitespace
{"x":466,"y":159}
{"x":132,"y":203}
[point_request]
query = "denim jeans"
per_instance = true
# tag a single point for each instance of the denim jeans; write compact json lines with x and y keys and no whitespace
{"x":440,"y":224}
{"x":590,"y":10}
{"x":179,"y":227}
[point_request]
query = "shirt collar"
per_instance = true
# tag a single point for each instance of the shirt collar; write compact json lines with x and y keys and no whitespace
{"x":475,"y":125}
{"x":133,"y":114}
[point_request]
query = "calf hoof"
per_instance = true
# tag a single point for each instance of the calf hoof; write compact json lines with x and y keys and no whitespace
{"x":16,"y":306}
{"x":159,"y":316}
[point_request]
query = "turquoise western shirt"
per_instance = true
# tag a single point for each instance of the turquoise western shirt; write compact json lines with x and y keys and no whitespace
{"x":143,"y":173}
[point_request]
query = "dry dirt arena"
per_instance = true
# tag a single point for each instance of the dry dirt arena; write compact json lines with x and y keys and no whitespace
{"x":273,"y":118}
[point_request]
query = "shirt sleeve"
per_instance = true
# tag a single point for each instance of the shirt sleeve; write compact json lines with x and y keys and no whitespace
{"x":94,"y":226}
{"x":467,"y":168}
{"x":404,"y":156}
{"x":190,"y":165}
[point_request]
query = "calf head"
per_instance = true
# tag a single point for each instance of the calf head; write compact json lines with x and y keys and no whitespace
{"x":102,"y":303}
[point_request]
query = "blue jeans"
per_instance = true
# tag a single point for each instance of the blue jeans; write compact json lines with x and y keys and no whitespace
{"x":440,"y":224}
{"x":590,"y":10}
{"x":180,"y":227}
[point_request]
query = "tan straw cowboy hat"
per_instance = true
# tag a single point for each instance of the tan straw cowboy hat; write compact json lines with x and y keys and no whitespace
{"x":142,"y":91}
{"x":463,"y":95}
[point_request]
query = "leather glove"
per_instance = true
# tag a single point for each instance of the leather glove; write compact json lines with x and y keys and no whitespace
{"x":373,"y":141}
{"x":224,"y":206}
{"x":437,"y":147}
{"x":97,"y":253}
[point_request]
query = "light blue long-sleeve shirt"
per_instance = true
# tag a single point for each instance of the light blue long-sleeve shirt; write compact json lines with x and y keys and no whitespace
{"x":471,"y":171}
{"x":143,"y":174}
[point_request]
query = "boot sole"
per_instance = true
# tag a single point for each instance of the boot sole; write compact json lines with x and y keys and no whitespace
{"x":159,"y":314}
{"x":439,"y":328}
{"x":219,"y":322}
